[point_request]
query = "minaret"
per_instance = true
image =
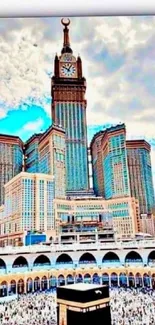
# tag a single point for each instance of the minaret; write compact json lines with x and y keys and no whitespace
{"x":69,"y":110}
{"x":66,"y":44}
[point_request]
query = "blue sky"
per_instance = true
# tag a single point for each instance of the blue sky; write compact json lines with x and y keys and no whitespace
{"x":118,"y":55}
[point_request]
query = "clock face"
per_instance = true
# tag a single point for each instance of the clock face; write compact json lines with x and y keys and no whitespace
{"x":68,"y":70}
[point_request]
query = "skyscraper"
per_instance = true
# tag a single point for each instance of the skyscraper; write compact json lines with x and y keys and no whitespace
{"x":115,"y":168}
{"x":109,"y":163}
{"x":69,"y":111}
{"x":97,"y":164}
{"x":51,"y":151}
{"x":11,"y":160}
{"x":28,"y":205}
{"x":31,"y":154}
{"x":140,"y":174}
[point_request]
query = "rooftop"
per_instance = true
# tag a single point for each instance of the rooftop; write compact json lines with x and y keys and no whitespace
{"x":83,"y":286}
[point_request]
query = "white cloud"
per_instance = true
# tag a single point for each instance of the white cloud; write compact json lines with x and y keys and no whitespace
{"x":34,"y":126}
{"x":118,"y":63}
{"x":3,"y":112}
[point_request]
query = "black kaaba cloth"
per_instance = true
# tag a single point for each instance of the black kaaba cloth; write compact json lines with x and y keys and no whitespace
{"x":82,"y":292}
{"x":82,"y":304}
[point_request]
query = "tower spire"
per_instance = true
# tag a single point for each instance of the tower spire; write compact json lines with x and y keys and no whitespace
{"x":66,"y":44}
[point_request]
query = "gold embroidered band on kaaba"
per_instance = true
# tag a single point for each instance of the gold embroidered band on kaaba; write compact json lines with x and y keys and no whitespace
{"x":83,"y":304}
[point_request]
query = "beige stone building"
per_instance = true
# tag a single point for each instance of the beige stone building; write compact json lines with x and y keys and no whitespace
{"x":28,"y":206}
{"x":89,"y":214}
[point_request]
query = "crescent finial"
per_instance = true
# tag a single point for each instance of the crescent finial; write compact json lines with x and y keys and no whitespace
{"x":65,"y":21}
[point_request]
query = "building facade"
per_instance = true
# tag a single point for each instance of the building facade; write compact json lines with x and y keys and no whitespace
{"x":11,"y":160}
{"x":97,"y":164}
{"x":28,"y":205}
{"x":69,"y":111}
{"x":141,"y":181}
{"x":31,"y":154}
{"x":51,"y":151}
{"x":115,"y":168}
{"x":140,"y":174}
{"x":30,"y":269}
{"x":85,"y":215}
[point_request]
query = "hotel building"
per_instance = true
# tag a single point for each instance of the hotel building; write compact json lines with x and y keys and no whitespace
{"x":28,"y":206}
{"x":45,"y":153}
{"x":109,"y":163}
{"x":51,"y":150}
{"x":97,"y":164}
{"x":11,"y":160}
{"x":69,"y":110}
{"x":123,"y":168}
{"x":140,"y":174}
{"x":90,"y":215}
{"x":31,"y":154}
{"x":141,"y":181}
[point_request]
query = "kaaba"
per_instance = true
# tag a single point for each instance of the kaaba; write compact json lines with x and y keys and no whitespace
{"x":81,"y":304}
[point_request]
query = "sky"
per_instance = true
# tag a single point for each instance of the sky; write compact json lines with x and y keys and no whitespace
{"x":118,"y":56}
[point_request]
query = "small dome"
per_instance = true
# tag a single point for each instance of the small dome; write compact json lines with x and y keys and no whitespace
{"x":66,"y":49}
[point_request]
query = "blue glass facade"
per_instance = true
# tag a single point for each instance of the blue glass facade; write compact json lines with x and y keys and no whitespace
{"x":119,"y":210}
{"x":72,"y":117}
{"x":52,"y":157}
{"x":95,"y":178}
{"x":97,"y":169}
{"x":140,"y":173}
{"x":45,"y":161}
{"x":11,"y":161}
{"x":146,"y":174}
{"x":115,"y":168}
{"x":32,"y":154}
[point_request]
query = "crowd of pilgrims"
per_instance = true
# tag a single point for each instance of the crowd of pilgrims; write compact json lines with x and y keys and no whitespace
{"x":132,"y":306}
{"x":128,"y":307}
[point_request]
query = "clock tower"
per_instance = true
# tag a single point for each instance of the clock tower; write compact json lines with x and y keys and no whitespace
{"x":69,"y":111}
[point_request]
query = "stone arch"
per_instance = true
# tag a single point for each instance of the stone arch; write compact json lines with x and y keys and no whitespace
{"x":29,"y":285}
{"x":123,"y":279}
{"x":2,"y":264}
{"x":131,"y":279}
{"x":111,"y":257}
{"x":96,"y":278}
{"x":79,"y":278}
{"x":64,"y":259}
{"x":44,"y":284}
{"x":87,"y":278}
{"x":153,"y":280}
{"x":138,"y":280}
{"x":70,"y":279}
{"x":3,"y":289}
{"x":36,"y":283}
{"x":20,"y":286}
{"x":133,"y":258}
{"x":61,"y":280}
{"x":42,"y":260}
{"x":151,"y":258}
{"x":105,"y":278}
{"x":13,"y":287}
{"x":87,"y":258}
{"x":114,"y":279}
{"x":52,"y":282}
{"x":146,"y":280}
{"x":20,"y":261}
